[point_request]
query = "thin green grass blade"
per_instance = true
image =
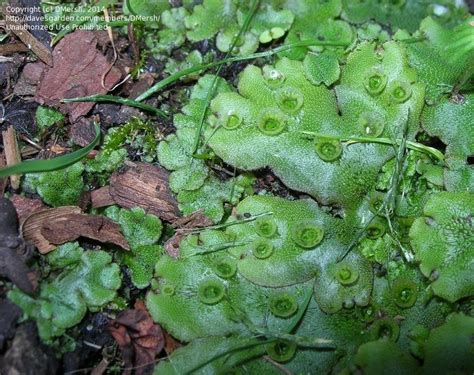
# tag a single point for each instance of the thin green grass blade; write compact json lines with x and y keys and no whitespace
{"x":118,"y":100}
{"x":36,"y":166}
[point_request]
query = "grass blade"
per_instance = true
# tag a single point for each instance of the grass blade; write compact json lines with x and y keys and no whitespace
{"x":60,"y":162}
{"x":119,"y":100}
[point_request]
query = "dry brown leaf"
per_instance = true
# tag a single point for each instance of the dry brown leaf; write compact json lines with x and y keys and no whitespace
{"x":32,"y":226}
{"x":140,"y":339}
{"x":70,"y":227}
{"x":77,"y":70}
{"x":195,"y":220}
{"x":32,"y":72}
{"x":50,"y":227}
{"x":143,"y":185}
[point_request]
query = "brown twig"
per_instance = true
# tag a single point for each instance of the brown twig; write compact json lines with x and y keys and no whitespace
{"x":3,"y":181}
{"x":12,"y":153}
{"x":11,"y":48}
{"x":20,"y":30}
{"x":133,"y":43}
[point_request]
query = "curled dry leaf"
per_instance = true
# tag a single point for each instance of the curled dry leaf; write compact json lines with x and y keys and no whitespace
{"x":140,"y":339}
{"x":142,"y":185}
{"x":51,"y":227}
{"x":31,"y":227}
{"x":77,"y":70}
{"x":72,"y":226}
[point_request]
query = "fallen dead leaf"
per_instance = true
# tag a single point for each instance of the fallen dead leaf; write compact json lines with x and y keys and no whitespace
{"x":32,"y":226}
{"x":48,"y":228}
{"x":70,"y":227}
{"x":32,"y":72}
{"x":58,"y":149}
{"x":77,"y":71}
{"x":143,"y":185}
{"x":140,"y":339}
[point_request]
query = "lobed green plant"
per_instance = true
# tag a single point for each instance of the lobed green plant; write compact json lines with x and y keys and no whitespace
{"x":253,"y":276}
{"x":58,"y":188}
{"x":366,"y":265}
{"x":283,"y":112}
{"x":197,"y":187}
{"x":46,"y":117}
{"x":142,"y":231}
{"x":79,"y":281}
{"x":346,"y":126}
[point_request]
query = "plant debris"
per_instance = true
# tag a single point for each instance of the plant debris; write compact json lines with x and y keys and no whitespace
{"x":42,"y":50}
{"x":12,"y":153}
{"x":25,"y":206}
{"x":32,"y":226}
{"x":140,"y":339}
{"x":70,"y":227}
{"x":55,"y":226}
{"x":140,"y":185}
{"x":77,"y":70}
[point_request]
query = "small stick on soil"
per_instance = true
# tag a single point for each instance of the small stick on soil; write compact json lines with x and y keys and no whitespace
{"x":10,"y":49}
{"x":133,"y":42}
{"x":4,"y":180}
{"x":28,"y":39}
{"x":12,"y":153}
